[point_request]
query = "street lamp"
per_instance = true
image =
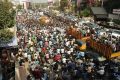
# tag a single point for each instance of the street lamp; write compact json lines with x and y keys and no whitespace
{"x":102,"y":3}
{"x":59,"y":2}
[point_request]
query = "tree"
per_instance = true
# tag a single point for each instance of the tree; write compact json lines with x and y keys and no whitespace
{"x":63,"y":4}
{"x":85,"y":12}
{"x":80,"y":6}
{"x":19,"y":7}
{"x":7,"y":14}
{"x":5,"y":35}
{"x":7,"y":20}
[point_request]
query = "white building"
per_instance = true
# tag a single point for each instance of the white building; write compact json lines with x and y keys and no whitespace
{"x":24,"y":3}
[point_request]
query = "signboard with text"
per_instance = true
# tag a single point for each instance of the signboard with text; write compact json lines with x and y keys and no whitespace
{"x":116,"y":11}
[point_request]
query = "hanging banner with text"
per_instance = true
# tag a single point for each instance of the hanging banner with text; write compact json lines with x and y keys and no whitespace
{"x":116,"y":11}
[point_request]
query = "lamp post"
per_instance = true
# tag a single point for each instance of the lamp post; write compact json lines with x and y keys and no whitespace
{"x":102,"y":2}
{"x":59,"y":2}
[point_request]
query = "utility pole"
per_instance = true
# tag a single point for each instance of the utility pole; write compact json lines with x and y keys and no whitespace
{"x":59,"y":2}
{"x":102,"y":3}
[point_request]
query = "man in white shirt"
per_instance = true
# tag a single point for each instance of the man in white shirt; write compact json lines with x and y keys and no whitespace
{"x":82,"y":54}
{"x":29,"y":57}
{"x":58,"y":51}
{"x":101,"y":71}
{"x":25,"y":56}
{"x":69,"y":52}
{"x":50,"y":43}
{"x":62,"y":50}
{"x":64,"y":60}
{"x":71,"y":49}
{"x":65,"y":39}
{"x":67,"y":43}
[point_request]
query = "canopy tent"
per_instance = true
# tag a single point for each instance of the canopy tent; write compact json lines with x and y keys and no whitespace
{"x":12,"y":43}
{"x":98,"y":10}
{"x":99,"y":13}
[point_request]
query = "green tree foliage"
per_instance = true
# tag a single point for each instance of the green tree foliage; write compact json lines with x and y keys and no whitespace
{"x":7,"y":14}
{"x":19,"y":7}
{"x":63,"y":4}
{"x":5,"y":35}
{"x":7,"y":20}
{"x":85,"y":12}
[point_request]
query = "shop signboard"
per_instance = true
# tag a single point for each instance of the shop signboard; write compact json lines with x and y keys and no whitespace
{"x":116,"y":11}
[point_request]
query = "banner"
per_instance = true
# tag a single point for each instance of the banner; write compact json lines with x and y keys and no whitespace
{"x":116,"y":11}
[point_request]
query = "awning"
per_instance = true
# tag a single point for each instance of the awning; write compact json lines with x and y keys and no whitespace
{"x":98,"y":11}
{"x":101,"y":16}
{"x":13,"y":43}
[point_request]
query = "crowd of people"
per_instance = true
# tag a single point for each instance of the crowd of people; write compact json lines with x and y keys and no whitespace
{"x":108,"y":39}
{"x":52,"y":55}
{"x":101,"y":34}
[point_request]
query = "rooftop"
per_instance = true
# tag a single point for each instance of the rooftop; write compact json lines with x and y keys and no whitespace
{"x":98,"y":10}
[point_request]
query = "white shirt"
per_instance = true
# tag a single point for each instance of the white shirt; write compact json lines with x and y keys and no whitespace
{"x":65,"y":39}
{"x":25,"y":55}
{"x":47,"y":55}
{"x":31,"y":48}
{"x":82,"y":54}
{"x":46,"y":39}
{"x":71,"y":49}
{"x":67,"y":43}
{"x":69,"y":52}
{"x":29,"y":57}
{"x":62,"y":50}
{"x":58,"y":50}
{"x":101,"y":72}
{"x":88,"y":31}
{"x":72,"y":42}
{"x":50,"y":51}
{"x":50,"y":42}
{"x":64,"y":60}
